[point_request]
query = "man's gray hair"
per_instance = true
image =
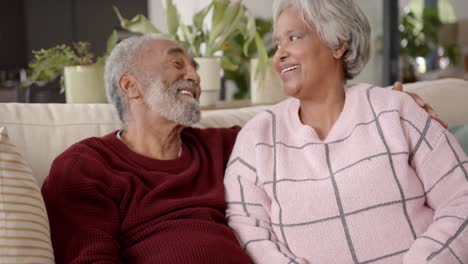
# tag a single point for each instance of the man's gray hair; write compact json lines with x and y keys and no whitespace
{"x":337,"y":22}
{"x":123,"y":59}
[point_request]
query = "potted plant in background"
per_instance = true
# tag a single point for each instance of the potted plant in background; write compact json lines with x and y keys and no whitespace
{"x":419,"y":37}
{"x":45,"y":76}
{"x":74,"y":66}
{"x":210,"y":46}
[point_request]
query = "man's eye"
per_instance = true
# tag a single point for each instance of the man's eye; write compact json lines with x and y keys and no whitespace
{"x":293,"y":38}
{"x":178,"y":64}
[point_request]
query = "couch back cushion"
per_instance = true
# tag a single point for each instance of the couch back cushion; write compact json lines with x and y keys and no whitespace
{"x":24,"y":226}
{"x":448,"y":97}
{"x":42,"y":131}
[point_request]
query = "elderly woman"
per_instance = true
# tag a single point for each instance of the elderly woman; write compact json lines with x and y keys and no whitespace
{"x":343,"y":173}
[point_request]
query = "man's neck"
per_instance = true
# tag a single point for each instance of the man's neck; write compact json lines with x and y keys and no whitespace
{"x":157,"y":139}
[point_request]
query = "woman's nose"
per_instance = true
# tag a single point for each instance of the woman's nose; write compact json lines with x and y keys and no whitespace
{"x":280,"y":54}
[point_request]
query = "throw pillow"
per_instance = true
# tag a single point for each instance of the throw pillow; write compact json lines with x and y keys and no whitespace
{"x":461,"y":133}
{"x":24,"y":226}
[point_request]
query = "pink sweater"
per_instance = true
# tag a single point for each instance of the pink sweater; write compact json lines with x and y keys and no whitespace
{"x":387,"y":185}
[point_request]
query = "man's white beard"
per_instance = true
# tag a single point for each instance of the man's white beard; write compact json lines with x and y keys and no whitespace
{"x":176,"y":107}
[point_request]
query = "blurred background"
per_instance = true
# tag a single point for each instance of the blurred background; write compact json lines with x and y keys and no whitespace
{"x":411,"y":39}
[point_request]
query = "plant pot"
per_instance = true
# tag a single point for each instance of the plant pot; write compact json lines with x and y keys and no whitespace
{"x":45,"y":92}
{"x":268,"y":90}
{"x":408,"y":70}
{"x":209,"y":71}
{"x":85,"y":84}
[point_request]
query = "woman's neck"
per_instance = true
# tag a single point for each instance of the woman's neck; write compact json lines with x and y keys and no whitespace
{"x":321,"y":111}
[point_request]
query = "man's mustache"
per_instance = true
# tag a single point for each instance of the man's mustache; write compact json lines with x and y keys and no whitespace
{"x":179,"y":85}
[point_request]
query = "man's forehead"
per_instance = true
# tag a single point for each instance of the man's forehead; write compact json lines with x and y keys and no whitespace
{"x":165,"y":48}
{"x":177,"y":49}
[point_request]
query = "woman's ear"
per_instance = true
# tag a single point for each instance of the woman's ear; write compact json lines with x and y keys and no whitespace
{"x":340,"y":51}
{"x":129,"y":86}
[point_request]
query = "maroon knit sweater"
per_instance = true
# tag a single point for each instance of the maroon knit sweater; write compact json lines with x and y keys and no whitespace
{"x":107,"y":204}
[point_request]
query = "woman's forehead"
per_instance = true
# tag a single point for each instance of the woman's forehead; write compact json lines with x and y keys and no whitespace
{"x":289,"y":23}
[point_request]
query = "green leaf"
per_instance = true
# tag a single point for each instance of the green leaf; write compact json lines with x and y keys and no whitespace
{"x":138,"y":24}
{"x":260,"y":71}
{"x":172,"y":18}
{"x":189,"y":40}
{"x":232,"y":15}
{"x":223,"y":14}
{"x":249,"y":35}
{"x":226,"y":64}
{"x":200,"y":16}
{"x":218,"y":11}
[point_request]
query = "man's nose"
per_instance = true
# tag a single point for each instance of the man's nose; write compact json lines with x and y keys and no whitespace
{"x":192,"y":75}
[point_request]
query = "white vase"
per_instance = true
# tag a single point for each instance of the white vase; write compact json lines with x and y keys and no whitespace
{"x":85,"y":84}
{"x":209,"y":70}
{"x":268,"y":90}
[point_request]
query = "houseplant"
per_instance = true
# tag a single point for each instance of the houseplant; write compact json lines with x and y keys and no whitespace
{"x":418,"y":37}
{"x":243,"y":59}
{"x":212,"y":46}
{"x":79,"y":72}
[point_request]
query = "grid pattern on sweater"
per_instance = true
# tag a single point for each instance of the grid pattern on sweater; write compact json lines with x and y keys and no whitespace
{"x":249,"y":211}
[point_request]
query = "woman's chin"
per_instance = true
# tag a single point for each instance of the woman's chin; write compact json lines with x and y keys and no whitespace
{"x":291,"y":90}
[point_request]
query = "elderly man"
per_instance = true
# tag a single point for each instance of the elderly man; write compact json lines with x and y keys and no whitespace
{"x":152,"y":192}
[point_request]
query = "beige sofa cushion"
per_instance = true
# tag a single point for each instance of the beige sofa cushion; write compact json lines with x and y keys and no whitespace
{"x":42,"y":131}
{"x":24,"y":226}
{"x":448,"y":97}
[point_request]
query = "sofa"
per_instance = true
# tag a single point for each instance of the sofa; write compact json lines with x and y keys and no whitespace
{"x":42,"y":131}
{"x":39,"y":132}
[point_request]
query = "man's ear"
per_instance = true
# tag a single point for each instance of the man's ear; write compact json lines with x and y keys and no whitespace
{"x":338,"y":52}
{"x":129,"y":85}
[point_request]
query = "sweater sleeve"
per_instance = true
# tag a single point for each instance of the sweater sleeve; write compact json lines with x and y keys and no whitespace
{"x":229,"y":137}
{"x":248,"y":206}
{"x":83,"y":218}
{"x":445,"y":179}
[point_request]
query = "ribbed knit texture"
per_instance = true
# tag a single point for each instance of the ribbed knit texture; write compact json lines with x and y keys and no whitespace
{"x":387,"y":185}
{"x":24,"y":227}
{"x":108,"y":204}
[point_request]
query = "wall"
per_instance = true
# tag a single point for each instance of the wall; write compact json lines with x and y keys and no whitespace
{"x":188,"y":8}
{"x":155,"y":13}
{"x":461,"y":8}
{"x":372,"y":73}
{"x":52,"y":22}
{"x":11,"y":36}
{"x":261,"y":8}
